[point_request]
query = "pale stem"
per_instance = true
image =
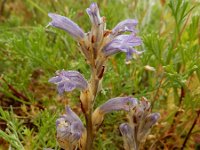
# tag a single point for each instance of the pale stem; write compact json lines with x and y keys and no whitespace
{"x":94,"y":83}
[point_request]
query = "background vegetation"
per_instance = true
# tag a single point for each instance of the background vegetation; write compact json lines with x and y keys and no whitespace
{"x":168,"y":73}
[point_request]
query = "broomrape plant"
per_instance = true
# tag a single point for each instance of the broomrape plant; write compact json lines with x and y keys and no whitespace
{"x":97,"y":46}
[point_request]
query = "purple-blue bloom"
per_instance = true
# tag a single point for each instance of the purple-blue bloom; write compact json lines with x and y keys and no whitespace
{"x":68,"y":81}
{"x":93,"y":12}
{"x":128,"y":136}
{"x":66,"y":24}
{"x":149,"y":121}
{"x":118,"y":103}
{"x":124,"y":43}
{"x":114,"y":104}
{"x":124,"y":26}
{"x":125,"y":129}
{"x":140,"y":122}
{"x":69,"y":128}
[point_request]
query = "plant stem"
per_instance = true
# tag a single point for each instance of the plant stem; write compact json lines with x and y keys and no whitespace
{"x":137,"y":143}
{"x":190,"y":131}
{"x":89,"y":140}
{"x":90,"y":133}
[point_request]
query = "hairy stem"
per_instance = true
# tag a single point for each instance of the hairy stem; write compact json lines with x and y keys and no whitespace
{"x":89,"y":140}
{"x":94,"y":83}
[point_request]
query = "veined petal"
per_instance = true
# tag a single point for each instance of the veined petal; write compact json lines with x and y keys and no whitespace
{"x":130,"y":40}
{"x":93,"y":12}
{"x":69,"y":80}
{"x":66,"y":24}
{"x":69,"y":129}
{"x":118,"y":103}
{"x":123,"y":26}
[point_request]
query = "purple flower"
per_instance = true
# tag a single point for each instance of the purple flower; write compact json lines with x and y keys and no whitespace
{"x":124,"y":43}
{"x":114,"y":104}
{"x":69,"y":129}
{"x":66,"y":24}
{"x":125,"y":129}
{"x":118,"y":103}
{"x":93,"y":12}
{"x":124,"y":26}
{"x":69,"y":80}
{"x":127,"y":134}
{"x":148,"y":122}
{"x":140,"y":122}
{"x":152,"y":119}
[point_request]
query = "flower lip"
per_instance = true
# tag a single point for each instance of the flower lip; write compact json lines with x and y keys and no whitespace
{"x":123,"y":43}
{"x":66,"y":24}
{"x":124,"y":26}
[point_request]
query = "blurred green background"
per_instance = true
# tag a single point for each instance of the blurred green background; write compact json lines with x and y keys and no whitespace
{"x":167,"y":73}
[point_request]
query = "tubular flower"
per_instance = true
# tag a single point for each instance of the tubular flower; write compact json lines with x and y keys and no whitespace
{"x":114,"y":104}
{"x":93,"y":13}
{"x":96,"y":34}
{"x":140,"y":122}
{"x":69,"y":129}
{"x":118,"y":103}
{"x":66,"y":24}
{"x":127,"y":134}
{"x":145,"y":127}
{"x":68,"y":81}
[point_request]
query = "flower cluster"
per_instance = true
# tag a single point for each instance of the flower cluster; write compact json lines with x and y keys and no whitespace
{"x":140,"y":122}
{"x":100,"y":43}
